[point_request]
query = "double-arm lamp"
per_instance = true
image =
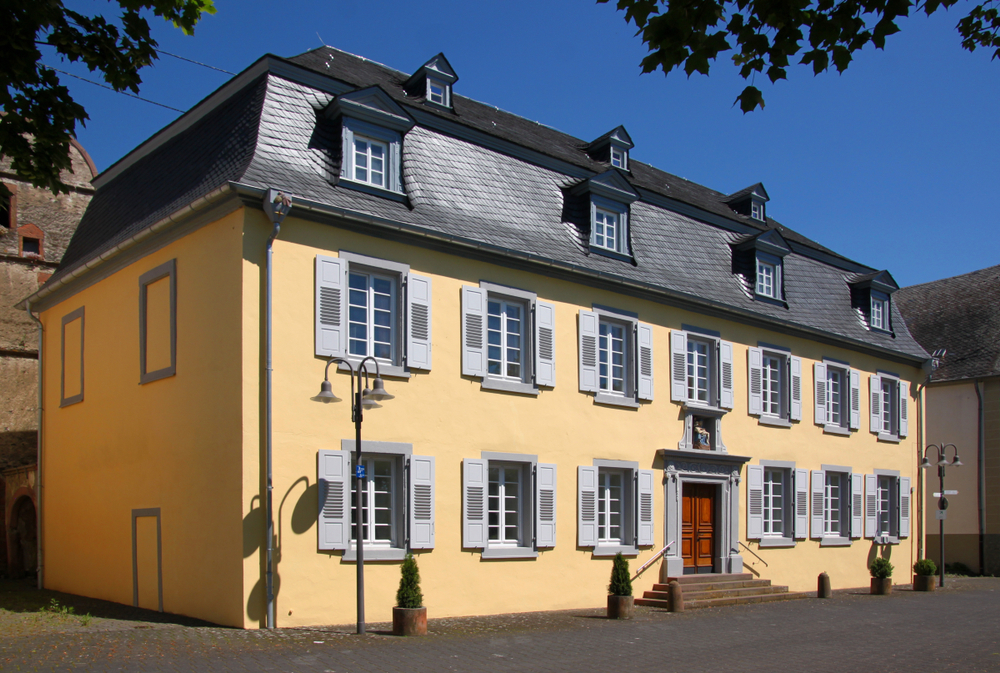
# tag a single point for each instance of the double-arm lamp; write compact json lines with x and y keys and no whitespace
{"x":942,"y":463}
{"x":361,"y":398}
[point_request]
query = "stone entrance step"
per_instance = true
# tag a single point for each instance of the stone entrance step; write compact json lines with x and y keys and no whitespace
{"x":716,"y":590}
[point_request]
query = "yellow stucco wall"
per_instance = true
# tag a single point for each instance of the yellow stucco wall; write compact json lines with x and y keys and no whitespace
{"x":952,"y":418}
{"x":447,"y":416}
{"x":174,"y":443}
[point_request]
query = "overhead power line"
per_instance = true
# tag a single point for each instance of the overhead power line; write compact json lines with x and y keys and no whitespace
{"x":105,"y":86}
{"x":204,"y":65}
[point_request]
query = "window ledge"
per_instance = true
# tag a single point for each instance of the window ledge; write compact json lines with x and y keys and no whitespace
{"x":372,"y":189}
{"x":892,"y":439}
{"x":602,"y":551}
{"x":837,"y":430}
{"x":889,"y":539}
{"x":763,"y":298}
{"x":387,"y":371}
{"x":616,"y":401}
{"x":774,"y":421}
{"x":835,"y":542}
{"x":705,"y":410}
{"x":766,"y":542}
{"x":509,"y":552}
{"x":519,"y":387}
{"x":375,"y":554}
{"x":604,"y":252}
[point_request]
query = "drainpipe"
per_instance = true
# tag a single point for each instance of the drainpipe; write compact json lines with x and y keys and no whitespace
{"x":276,"y":205}
{"x":921,"y":533}
{"x":38,"y":450}
{"x":981,"y":481}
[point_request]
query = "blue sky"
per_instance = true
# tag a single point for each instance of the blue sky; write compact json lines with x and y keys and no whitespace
{"x":895,"y":163}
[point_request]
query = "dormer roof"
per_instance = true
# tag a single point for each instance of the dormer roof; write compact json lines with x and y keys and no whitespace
{"x":747,"y":193}
{"x":371,"y":105}
{"x":881,"y":281}
{"x":770,"y":241}
{"x":437,"y":67}
{"x":616,"y":136}
{"x":610,"y":184}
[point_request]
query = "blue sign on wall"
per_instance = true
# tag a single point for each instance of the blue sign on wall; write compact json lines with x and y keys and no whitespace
{"x":359,"y":471}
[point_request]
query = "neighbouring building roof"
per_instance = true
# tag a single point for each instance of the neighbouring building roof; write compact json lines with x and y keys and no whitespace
{"x":960,"y":314}
{"x":468,"y":170}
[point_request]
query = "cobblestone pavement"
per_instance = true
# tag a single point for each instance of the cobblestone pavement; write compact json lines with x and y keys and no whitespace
{"x":957,"y":629}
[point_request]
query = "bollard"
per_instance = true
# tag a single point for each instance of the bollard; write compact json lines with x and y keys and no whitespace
{"x":823,"y":589}
{"x":676,"y":597}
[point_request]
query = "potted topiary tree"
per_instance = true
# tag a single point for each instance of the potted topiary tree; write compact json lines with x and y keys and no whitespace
{"x":409,"y":617}
{"x":620,"y":599}
{"x":881,"y":571}
{"x":924,"y":575}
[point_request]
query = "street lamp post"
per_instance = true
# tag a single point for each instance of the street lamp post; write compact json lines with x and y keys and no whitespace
{"x":361,"y":398}
{"x":942,"y":454}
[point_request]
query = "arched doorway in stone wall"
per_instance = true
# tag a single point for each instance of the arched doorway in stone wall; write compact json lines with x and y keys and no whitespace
{"x":22,"y":538}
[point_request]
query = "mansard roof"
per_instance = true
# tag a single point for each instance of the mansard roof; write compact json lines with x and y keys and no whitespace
{"x":466,"y":169}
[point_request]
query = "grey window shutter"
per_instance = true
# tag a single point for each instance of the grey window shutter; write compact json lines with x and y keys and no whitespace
{"x":754,"y":367}
{"x":647,"y":482}
{"x":875,"y":386}
{"x":818,"y":497}
{"x":586,"y":506}
{"x":904,"y":507}
{"x":545,"y":509}
{"x":726,"y":395}
{"x":644,"y":337}
{"x":755,"y":502}
{"x":545,"y":344}
{"x":904,"y":399}
{"x":395,"y":166}
{"x":475,"y":475}
{"x":347,"y":153}
{"x":819,"y":377}
{"x":855,"y":378}
{"x":418,"y":321}
{"x":333,"y":475}
{"x":857,"y":506}
{"x":795,"y":365}
{"x":871,"y":502}
{"x":801,"y":504}
{"x":330,"y":304}
{"x":473,"y":331}
{"x":589,"y":332}
{"x":421,"y":505}
{"x":678,"y":366}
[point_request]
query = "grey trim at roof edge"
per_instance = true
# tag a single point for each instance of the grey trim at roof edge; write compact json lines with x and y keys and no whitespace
{"x":303,"y":208}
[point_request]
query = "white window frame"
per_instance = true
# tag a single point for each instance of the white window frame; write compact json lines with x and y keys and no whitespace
{"x":837,"y":384}
{"x":842,"y":508}
{"x":522,"y":526}
{"x":371,"y":310}
{"x":445,"y":96}
{"x":760,"y":390}
{"x":780,"y":515}
{"x":888,"y":399}
{"x":636,"y":506}
{"x":849,"y":397}
{"x":503,"y":329}
{"x":878,"y":312}
{"x":773,"y":385}
{"x":619,"y":157}
{"x":605,"y":350}
{"x":774,"y":264}
{"x":370,"y":158}
{"x":391,"y":142}
{"x":888,"y":499}
{"x":602,"y":207}
{"x":605,"y":504}
{"x":692,"y":370}
{"x":793,"y":512}
{"x":849,"y":507}
{"x":757,"y":211}
{"x":369,"y":501}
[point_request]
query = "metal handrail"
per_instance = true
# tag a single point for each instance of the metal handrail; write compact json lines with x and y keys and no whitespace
{"x":752,"y":552}
{"x":650,"y":561}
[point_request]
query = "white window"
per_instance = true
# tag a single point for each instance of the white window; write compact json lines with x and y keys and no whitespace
{"x":508,"y":338}
{"x":879,"y":315}
{"x":362,"y":305}
{"x":610,"y":493}
{"x":607,"y":230}
{"x":612,"y":358}
{"x":889,"y":398}
{"x":837,"y":398}
{"x":775,"y":494}
{"x":757,"y":210}
{"x":768,"y":282}
{"x":837,"y":505}
{"x":834,"y":505}
{"x":397,"y":500}
{"x":888,"y":506}
{"x":369,"y":161}
{"x":614,"y":507}
{"x":372,"y":316}
{"x":616,"y":357}
{"x":438,"y":92}
{"x":505,"y":339}
{"x":883,"y":500}
{"x":508,"y":505}
{"x":775,"y":391}
{"x":777,"y":503}
{"x":701,"y":369}
{"x":771,"y":379}
{"x":619,"y":158}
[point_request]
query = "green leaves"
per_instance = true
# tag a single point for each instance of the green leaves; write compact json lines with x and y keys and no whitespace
{"x":40,"y":114}
{"x":765,"y":35}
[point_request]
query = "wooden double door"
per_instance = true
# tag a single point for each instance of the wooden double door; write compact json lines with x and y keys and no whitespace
{"x":698,"y":527}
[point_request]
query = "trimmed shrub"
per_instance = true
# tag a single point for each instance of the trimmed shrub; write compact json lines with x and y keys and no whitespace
{"x":621,"y":580}
{"x":880,"y":568}
{"x":925,"y":567}
{"x":409,"y":595}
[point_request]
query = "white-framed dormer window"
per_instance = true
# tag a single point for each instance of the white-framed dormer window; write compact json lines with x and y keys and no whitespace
{"x":616,"y":357}
{"x":607,"y":230}
{"x":768,"y":277}
{"x":508,"y":505}
{"x":438,"y":92}
{"x":837,"y":397}
{"x":757,"y":210}
{"x":370,"y":161}
{"x":619,"y":158}
{"x":508,"y":338}
{"x":879,"y":316}
{"x":889,"y":397}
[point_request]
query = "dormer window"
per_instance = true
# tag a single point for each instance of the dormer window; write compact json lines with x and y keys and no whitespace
{"x":619,"y":158}
{"x":369,"y":161}
{"x":750,"y":202}
{"x":759,"y":263}
{"x":608,"y":230}
{"x":870,"y":297}
{"x":433,"y":81}
{"x":768,"y":276}
{"x":880,"y":311}
{"x":600,"y":208}
{"x":757,"y":210}
{"x":612,"y":148}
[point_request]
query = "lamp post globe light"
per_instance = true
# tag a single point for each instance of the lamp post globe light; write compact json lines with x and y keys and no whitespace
{"x":942,"y":463}
{"x":361,"y":398}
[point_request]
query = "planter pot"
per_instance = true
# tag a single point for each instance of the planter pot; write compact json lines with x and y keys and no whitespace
{"x":881,"y":587}
{"x":620,"y":607}
{"x":409,"y":621}
{"x":924,"y":582}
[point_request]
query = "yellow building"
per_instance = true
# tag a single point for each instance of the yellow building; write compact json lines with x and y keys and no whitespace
{"x":587,"y":355}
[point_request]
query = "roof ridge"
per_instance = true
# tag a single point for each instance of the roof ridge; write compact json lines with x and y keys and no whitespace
{"x":950,"y":278}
